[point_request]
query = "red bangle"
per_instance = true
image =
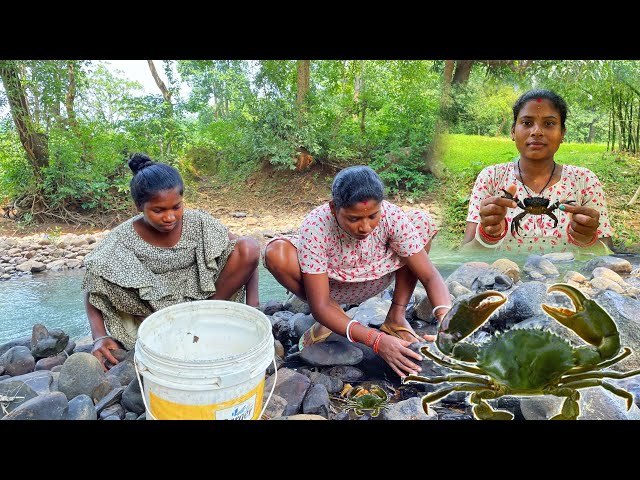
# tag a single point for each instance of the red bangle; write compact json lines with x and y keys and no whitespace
{"x":369,"y":335}
{"x":377,"y":342}
{"x":486,"y":236}
{"x":572,"y":240}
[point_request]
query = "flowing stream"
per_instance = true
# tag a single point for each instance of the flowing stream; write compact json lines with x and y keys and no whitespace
{"x":55,"y":298}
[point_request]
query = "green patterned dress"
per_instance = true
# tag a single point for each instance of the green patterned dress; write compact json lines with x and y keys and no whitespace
{"x":127,"y":277}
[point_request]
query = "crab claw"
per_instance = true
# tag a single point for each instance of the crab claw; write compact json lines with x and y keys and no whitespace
{"x":465,"y":317}
{"x":589,"y":320}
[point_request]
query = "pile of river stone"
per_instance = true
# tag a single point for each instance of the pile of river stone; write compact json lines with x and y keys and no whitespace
{"x":49,"y":376}
{"x":44,"y":252}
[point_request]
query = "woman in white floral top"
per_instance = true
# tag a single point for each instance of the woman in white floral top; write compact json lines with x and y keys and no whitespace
{"x":351,"y":249}
{"x":569,"y":206}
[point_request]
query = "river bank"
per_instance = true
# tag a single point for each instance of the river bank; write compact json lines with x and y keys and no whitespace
{"x":47,"y":375}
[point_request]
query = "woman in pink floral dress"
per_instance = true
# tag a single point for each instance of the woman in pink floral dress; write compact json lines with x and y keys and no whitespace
{"x":582,"y":218}
{"x":351,"y":249}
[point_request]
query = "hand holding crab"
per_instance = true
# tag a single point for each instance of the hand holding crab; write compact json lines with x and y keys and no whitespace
{"x":493,"y":211}
{"x":534,"y":206}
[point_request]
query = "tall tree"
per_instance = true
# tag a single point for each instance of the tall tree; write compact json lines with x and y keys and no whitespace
{"x":166,"y":94}
{"x":34,"y":141}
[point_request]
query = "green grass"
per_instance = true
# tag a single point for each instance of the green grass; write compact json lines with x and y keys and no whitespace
{"x":465,"y":155}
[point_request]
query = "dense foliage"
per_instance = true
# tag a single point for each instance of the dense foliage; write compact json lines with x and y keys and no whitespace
{"x":67,"y":126}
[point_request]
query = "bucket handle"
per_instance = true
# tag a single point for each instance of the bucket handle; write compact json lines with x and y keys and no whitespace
{"x":148,"y":411}
{"x":275,"y":379}
{"x":144,"y":400}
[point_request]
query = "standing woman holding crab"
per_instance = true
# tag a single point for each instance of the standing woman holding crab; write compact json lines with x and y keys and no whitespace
{"x":534,"y":204}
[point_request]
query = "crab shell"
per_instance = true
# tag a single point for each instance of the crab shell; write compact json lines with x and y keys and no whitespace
{"x":374,"y":402}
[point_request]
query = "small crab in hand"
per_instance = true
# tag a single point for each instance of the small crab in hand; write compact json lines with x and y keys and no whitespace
{"x":533,"y":206}
{"x":361,"y":400}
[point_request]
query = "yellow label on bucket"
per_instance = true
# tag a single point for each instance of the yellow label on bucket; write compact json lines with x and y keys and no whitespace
{"x":245,"y":407}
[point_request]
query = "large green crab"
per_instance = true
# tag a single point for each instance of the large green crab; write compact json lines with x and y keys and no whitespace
{"x":527,"y":361}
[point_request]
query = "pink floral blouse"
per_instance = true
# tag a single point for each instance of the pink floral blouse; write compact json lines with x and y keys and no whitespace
{"x":537,"y":233}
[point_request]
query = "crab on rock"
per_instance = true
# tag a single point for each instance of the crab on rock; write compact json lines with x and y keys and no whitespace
{"x":526,"y":361}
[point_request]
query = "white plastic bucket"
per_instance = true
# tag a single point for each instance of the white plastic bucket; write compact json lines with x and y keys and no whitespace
{"x":204,"y":360}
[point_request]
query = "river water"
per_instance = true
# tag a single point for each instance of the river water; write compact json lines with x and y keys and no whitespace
{"x":55,"y":298}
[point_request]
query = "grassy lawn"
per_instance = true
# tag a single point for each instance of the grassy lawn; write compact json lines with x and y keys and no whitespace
{"x":465,"y":155}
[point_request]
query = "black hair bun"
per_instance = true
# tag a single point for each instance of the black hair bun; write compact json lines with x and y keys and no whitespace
{"x":138,"y":161}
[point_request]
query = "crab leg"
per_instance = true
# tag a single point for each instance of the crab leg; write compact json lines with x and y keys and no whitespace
{"x":626,"y":351}
{"x":446,"y":378}
{"x":453,"y":366}
{"x":591,"y":375}
{"x":590,"y":321}
{"x":483,"y":411}
{"x":607,"y":386}
{"x":440,"y":394}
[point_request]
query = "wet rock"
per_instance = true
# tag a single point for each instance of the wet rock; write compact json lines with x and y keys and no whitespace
{"x":508,"y":267}
{"x":524,"y":302}
{"x":132,"y":398}
{"x":50,"y":406}
{"x":107,"y":384}
{"x":18,"y":342}
{"x":332,"y":384}
{"x":109,"y":399}
{"x":271,"y":307}
{"x":17,"y":361}
{"x":80,"y":374}
{"x":274,"y":406}
{"x":410,"y":409}
{"x":124,"y":371}
{"x":45,"y":343}
{"x":345,"y":373}
{"x":538,"y":264}
{"x":81,"y":408}
{"x":618,"y":265}
{"x":15,"y":393}
{"x":290,"y":385}
{"x":316,"y":401}
{"x":50,"y":362}
{"x":330,"y":353}
{"x":115,"y":410}
{"x":492,"y":281}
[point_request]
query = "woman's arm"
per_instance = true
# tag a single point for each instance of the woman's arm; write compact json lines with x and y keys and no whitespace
{"x":326,"y":311}
{"x":422,"y":267}
{"x":102,"y":348}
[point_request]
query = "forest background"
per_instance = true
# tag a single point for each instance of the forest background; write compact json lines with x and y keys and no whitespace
{"x":274,"y":132}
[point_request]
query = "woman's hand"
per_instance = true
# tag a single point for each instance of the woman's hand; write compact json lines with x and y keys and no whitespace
{"x":102,"y":351}
{"x":493,"y":211}
{"x":396,"y":353}
{"x":583,"y":224}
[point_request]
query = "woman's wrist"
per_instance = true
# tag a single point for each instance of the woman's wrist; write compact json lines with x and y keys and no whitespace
{"x":486,"y":240}
{"x":580,"y":244}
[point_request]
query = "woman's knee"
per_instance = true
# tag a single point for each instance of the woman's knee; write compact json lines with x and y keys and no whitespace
{"x":248,"y":250}
{"x":276,"y":254}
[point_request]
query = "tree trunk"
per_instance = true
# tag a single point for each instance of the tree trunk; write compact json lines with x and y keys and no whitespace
{"x":448,"y":71}
{"x":502,"y":122}
{"x":34,"y":143}
{"x":592,"y":131}
{"x":303,"y":88}
{"x":70,"y":98}
{"x":166,"y":94}
{"x":463,"y":71}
